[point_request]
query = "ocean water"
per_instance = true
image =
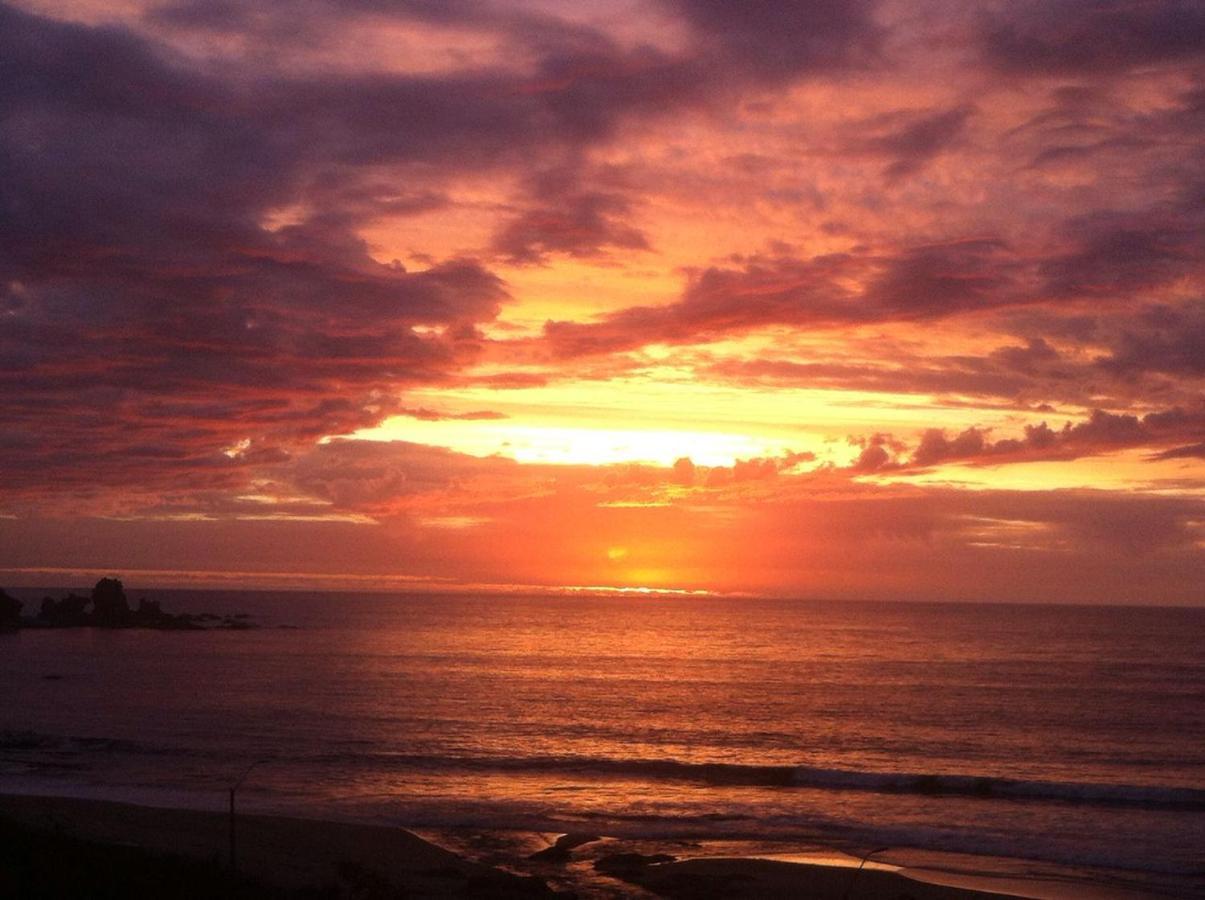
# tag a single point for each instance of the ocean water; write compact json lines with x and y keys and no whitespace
{"x":1069,"y":735}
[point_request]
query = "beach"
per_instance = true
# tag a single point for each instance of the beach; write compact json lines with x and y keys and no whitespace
{"x":293,"y":857}
{"x":1035,"y":751}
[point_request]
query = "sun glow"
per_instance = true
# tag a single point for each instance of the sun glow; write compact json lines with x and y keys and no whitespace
{"x":567,"y":445}
{"x":604,"y":446}
{"x":604,"y":589}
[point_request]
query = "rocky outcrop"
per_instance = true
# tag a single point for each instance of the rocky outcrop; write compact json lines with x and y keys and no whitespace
{"x":10,"y":612}
{"x":70,"y":612}
{"x":110,"y":609}
{"x":560,"y":852}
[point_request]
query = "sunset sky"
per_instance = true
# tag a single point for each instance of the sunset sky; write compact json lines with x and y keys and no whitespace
{"x":818,"y":299}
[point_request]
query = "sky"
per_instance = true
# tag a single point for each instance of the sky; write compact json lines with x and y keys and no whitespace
{"x":882,"y":300}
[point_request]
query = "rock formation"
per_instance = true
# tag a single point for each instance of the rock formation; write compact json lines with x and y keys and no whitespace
{"x":10,"y":612}
{"x":70,"y":612}
{"x":110,"y":609}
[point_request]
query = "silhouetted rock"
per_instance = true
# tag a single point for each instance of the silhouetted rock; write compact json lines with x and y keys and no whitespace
{"x":110,"y":609}
{"x":149,"y":608}
{"x":149,"y":614}
{"x":70,"y":612}
{"x":10,"y":612}
{"x":559,"y":852}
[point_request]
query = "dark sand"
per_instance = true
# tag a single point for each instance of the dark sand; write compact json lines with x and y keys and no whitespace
{"x":287,"y":857}
{"x":737,"y":878}
{"x":743,"y":877}
{"x":292,"y":854}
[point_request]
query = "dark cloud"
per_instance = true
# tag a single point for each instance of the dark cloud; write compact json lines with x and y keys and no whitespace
{"x":283,"y":19}
{"x":1117,"y":255}
{"x":187,"y":304}
{"x":911,"y":140}
{"x":181,"y":234}
{"x":776,"y":38}
{"x":372,"y":477}
{"x":878,"y":454}
{"x":757,"y":469}
{"x":1034,"y":356}
{"x":180,"y":237}
{"x":943,"y":279}
{"x":584,"y":224}
{"x":1191,"y":451}
{"x":151,"y":320}
{"x":967,"y":376}
{"x":1164,"y":339}
{"x":1093,"y":36}
{"x":923,"y":282}
{"x":1102,"y":432}
{"x":936,"y":447}
{"x":285,"y":32}
{"x":720,"y":301}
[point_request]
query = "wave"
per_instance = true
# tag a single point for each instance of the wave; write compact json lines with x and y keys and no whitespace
{"x":16,"y":742}
{"x":737,"y":774}
{"x":987,"y":786}
{"x":22,"y":745}
{"x":31,"y":741}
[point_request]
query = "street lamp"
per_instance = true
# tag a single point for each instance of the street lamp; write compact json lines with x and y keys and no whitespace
{"x":234,"y":787}
{"x":858,"y":871}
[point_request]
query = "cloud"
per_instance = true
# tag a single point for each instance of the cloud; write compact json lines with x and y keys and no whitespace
{"x":583,"y":224}
{"x":1119,"y":255}
{"x":1102,"y":432}
{"x":142,"y":269}
{"x":1191,"y":451}
{"x":536,"y":524}
{"x":912,"y":139}
{"x":430,"y":415}
{"x":776,"y":38}
{"x":182,"y":235}
{"x":965,"y":376}
{"x":1169,"y":340}
{"x":982,"y":211}
{"x":928,"y":281}
{"x":876,"y":454}
{"x":1092,"y":37}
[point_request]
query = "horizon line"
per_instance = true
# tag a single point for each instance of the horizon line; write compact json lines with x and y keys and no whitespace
{"x":295,"y":582}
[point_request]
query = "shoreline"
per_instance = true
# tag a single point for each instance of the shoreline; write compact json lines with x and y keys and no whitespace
{"x":289,"y":856}
{"x":305,"y":854}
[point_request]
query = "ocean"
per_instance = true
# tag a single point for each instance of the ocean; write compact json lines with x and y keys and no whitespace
{"x":1067,"y":736}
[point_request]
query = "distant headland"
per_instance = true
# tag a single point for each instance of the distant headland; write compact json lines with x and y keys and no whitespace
{"x":108,"y":607}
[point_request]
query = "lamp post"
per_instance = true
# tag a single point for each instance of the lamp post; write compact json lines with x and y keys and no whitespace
{"x":234,"y":787}
{"x":858,"y":870}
